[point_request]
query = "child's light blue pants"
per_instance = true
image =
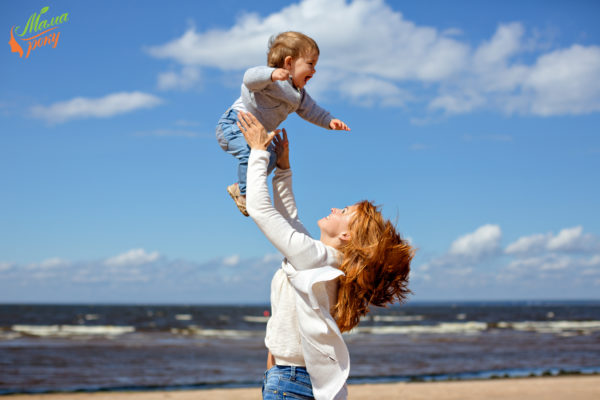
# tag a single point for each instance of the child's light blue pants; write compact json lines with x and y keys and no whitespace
{"x":232,"y":140}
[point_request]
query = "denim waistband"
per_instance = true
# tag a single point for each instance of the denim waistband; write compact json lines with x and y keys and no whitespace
{"x":291,"y":370}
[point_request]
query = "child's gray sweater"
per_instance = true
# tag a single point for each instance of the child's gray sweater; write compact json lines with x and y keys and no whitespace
{"x":271,"y":102}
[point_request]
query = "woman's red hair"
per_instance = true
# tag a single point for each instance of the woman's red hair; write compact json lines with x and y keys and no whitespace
{"x":376,"y":264}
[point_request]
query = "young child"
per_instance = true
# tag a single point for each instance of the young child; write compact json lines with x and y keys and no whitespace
{"x":271,"y":93}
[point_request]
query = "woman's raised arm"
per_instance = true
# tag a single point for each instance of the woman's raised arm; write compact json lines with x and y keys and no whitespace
{"x":302,"y":251}
{"x":283,"y":195}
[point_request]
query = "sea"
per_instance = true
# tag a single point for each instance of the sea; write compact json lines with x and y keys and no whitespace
{"x":87,"y":347}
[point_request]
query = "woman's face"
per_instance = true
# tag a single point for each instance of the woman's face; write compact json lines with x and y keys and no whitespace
{"x":336,"y":224}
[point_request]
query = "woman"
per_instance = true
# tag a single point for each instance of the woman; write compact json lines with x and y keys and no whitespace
{"x":324,"y":286}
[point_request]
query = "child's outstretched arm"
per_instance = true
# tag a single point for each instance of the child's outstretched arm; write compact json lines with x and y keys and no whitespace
{"x":312,"y":112}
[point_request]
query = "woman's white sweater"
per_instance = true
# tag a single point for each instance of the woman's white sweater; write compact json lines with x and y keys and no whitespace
{"x":312,"y":270}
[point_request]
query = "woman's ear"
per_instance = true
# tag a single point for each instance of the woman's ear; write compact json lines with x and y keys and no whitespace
{"x":287,"y":63}
{"x":345,"y":236}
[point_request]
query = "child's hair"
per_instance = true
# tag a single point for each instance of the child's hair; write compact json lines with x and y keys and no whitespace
{"x":376,"y":264}
{"x":294,"y":44}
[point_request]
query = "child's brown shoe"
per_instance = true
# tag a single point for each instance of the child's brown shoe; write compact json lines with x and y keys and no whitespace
{"x":240,"y":201}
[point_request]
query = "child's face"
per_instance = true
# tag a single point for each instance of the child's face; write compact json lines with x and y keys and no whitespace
{"x":302,"y":68}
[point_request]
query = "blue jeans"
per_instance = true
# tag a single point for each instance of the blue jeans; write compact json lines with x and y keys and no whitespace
{"x":232,"y":140}
{"x":287,"y":382}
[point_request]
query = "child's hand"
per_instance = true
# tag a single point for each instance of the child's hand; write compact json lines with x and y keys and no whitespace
{"x":338,"y":125}
{"x":280,"y":74}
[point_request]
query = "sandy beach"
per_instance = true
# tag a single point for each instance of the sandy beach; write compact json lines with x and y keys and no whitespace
{"x":547,"y":388}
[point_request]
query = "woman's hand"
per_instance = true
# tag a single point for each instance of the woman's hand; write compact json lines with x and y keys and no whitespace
{"x":255,"y":133}
{"x":282,"y":149}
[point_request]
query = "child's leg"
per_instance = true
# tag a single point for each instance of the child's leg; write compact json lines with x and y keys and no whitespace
{"x":231,"y":139}
{"x":238,"y":148}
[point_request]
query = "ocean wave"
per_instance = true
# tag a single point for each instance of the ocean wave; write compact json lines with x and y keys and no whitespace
{"x":471,"y":327}
{"x":567,"y":328}
{"x":71,"y":330}
{"x":397,"y":318}
{"x":562,"y":328}
{"x":219,"y":333}
{"x":259,"y":319}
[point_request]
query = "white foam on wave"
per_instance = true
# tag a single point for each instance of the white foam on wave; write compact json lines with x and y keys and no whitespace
{"x":566,"y":328}
{"x":397,"y":318}
{"x":9,"y":335}
{"x":252,"y":318}
{"x":218,"y":333}
{"x":72,"y":330}
{"x":471,"y":327}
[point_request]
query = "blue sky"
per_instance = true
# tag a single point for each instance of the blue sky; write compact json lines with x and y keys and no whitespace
{"x":474,"y":125}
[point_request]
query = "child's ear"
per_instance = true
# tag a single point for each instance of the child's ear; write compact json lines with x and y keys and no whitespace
{"x":287,"y":62}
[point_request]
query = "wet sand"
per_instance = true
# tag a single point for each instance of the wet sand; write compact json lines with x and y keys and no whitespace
{"x":547,"y":388}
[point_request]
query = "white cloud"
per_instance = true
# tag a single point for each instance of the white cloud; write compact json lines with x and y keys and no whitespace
{"x":460,"y":271}
{"x":505,"y":43}
{"x":133,"y":257}
{"x":548,"y":262}
{"x":103,"y":107}
{"x":557,"y":262}
{"x":465,"y":252}
{"x":373,"y":50}
{"x":272,"y":257}
{"x":231,"y":260}
{"x":594,"y":262}
{"x":368,"y":91}
{"x":148,"y":277}
{"x":186,"y":79}
{"x":48,"y":264}
{"x":140,"y":276}
{"x":570,"y":251}
{"x":484,"y":241}
{"x":364,"y":38}
{"x":562,"y":82}
{"x":566,"y":81}
{"x":567,"y":240}
{"x":418,"y":146}
{"x":458,"y":103}
{"x":53,"y":262}
{"x":529,"y":244}
{"x":5,"y":266}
